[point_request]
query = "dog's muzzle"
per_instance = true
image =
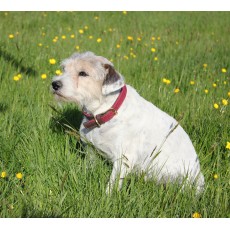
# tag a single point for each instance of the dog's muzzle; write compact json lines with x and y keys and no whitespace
{"x":56,"y":85}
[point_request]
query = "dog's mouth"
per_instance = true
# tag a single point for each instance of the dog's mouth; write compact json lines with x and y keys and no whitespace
{"x":58,"y":95}
{"x":61,"y":97}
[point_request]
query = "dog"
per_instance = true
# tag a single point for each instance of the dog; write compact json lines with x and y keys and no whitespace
{"x":133,"y":134}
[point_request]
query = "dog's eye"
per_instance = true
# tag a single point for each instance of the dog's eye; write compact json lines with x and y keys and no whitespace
{"x":83,"y":74}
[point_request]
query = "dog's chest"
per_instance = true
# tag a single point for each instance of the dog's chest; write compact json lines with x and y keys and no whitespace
{"x":104,"y":138}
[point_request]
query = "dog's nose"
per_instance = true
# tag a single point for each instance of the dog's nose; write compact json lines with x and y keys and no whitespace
{"x":56,"y":85}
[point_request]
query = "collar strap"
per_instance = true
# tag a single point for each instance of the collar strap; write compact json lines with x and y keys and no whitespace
{"x":98,"y":120}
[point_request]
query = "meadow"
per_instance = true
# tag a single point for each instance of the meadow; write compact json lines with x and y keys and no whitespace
{"x":177,"y":60}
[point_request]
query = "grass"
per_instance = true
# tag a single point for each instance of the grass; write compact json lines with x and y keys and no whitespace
{"x":58,"y":179}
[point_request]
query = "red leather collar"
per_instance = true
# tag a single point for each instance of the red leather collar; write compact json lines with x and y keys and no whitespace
{"x":98,"y":120}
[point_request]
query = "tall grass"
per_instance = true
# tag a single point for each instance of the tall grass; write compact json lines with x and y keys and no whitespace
{"x":60,"y":179}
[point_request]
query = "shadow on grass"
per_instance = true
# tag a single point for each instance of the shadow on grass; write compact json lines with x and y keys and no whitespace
{"x":69,"y":116}
{"x":29,"y":212}
{"x":17,"y":63}
{"x":69,"y":121}
{"x":3,"y":107}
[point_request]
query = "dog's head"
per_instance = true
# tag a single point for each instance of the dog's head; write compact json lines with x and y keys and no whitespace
{"x":86,"y":79}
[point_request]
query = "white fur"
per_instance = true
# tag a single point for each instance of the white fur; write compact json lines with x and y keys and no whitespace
{"x":140,"y":138}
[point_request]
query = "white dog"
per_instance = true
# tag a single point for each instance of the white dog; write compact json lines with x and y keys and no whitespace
{"x":132,"y":133}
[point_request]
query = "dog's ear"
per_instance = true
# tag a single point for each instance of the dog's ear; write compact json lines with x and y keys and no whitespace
{"x":113,"y":80}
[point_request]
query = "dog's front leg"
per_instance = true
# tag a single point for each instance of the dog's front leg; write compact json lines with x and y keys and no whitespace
{"x":121,"y":168}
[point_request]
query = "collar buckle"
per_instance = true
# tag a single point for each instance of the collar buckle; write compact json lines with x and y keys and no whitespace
{"x":96,"y":120}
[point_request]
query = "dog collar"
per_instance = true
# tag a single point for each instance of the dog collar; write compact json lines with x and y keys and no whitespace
{"x":99,"y":119}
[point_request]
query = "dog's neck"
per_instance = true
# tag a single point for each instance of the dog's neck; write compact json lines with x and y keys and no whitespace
{"x":102,"y":104}
{"x":99,"y":118}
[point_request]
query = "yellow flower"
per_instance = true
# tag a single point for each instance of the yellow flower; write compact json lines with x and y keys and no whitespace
{"x":153,"y":38}
{"x":99,"y":40}
{"x":52,"y":61}
{"x":224,"y":101}
{"x":19,"y":175}
{"x":124,"y":12}
{"x":40,"y":44}
{"x":176,"y":90}
{"x":63,"y":37}
{"x":166,"y":81}
{"x":96,"y":17}
{"x":192,"y":82}
{"x":81,"y":31}
{"x":133,"y":55}
{"x":11,"y":206}
{"x":214,"y":85}
{"x":156,"y":59}
{"x":11,"y":36}
{"x":58,"y":72}
{"x":177,"y":43}
{"x":215,"y":176}
{"x":223,"y":70}
{"x":130,"y":38}
{"x":139,"y":39}
{"x":118,"y":46}
{"x":77,"y":47}
{"x":126,"y":57}
{"x":55,"y":39}
{"x":90,"y":37}
{"x":225,"y":83}
{"x":196,"y":215}
{"x":19,"y":76}
{"x":206,"y":91}
{"x":153,"y":50}
{"x":86,"y":27}
{"x":3,"y":174}
{"x":205,"y":65}
{"x":43,"y":76}
{"x":16,"y":78}
{"x":158,"y":38}
{"x":72,"y":36}
{"x":228,"y":145}
{"x":216,"y":106}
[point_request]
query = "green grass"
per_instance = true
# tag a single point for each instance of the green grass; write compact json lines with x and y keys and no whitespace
{"x":58,"y":179}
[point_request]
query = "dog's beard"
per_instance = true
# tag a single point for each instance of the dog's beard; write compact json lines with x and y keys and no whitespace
{"x":60,"y":97}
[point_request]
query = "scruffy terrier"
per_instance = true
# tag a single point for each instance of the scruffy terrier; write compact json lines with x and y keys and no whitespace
{"x":132,"y":133}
